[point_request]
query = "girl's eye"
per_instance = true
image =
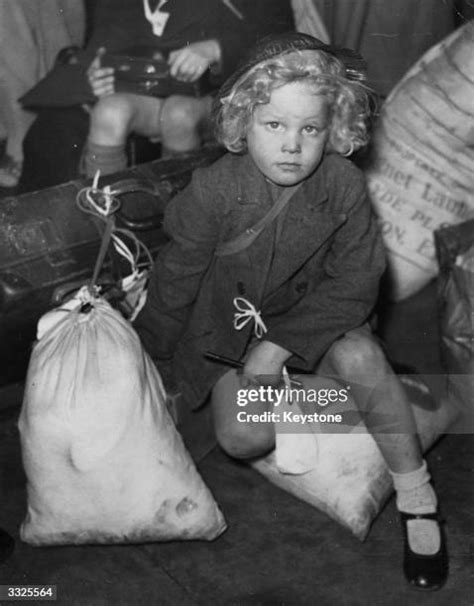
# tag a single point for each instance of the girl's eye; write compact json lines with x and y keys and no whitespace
{"x":311,"y":130}
{"x":273,"y":124}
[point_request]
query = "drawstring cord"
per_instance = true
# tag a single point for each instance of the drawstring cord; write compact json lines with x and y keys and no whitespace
{"x":295,"y":453}
{"x":246,"y":312}
{"x":103,"y":204}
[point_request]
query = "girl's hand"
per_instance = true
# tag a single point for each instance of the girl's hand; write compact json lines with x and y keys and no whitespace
{"x":189,"y":63}
{"x":264,"y":365}
{"x":101,"y":79}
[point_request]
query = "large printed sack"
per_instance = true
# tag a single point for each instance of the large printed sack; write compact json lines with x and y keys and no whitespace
{"x":345,"y":475}
{"x":103,"y":460}
{"x":421,"y":171}
{"x":455,"y":251}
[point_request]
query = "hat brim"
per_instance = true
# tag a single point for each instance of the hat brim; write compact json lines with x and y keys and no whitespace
{"x":279,"y":44}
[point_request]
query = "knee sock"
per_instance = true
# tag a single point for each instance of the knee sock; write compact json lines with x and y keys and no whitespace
{"x":416,"y":495}
{"x":106,"y":158}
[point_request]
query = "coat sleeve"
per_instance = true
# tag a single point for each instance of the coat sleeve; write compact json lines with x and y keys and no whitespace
{"x":344,"y":297}
{"x":192,"y":226}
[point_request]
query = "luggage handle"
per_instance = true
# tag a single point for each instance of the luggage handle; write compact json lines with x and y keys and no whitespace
{"x":145,"y":224}
{"x":146,"y":186}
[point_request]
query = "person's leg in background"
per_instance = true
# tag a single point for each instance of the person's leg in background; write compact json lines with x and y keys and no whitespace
{"x":19,"y":70}
{"x":182,"y":122}
{"x":31,"y":35}
{"x":112,"y":119}
{"x":18,"y":122}
{"x":176,"y":121}
{"x":385,"y":408}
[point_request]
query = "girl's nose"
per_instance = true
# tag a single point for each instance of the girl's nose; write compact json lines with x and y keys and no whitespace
{"x":291,"y":143}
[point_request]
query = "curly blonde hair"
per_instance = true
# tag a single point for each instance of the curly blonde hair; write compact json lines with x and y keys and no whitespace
{"x":349,"y":98}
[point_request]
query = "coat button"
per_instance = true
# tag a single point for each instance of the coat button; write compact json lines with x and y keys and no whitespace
{"x":240,"y":288}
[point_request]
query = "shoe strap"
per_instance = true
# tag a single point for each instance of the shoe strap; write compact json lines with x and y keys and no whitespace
{"x":421,"y":516}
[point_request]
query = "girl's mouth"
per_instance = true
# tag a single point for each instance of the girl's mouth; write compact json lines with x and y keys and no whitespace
{"x":288,"y":165}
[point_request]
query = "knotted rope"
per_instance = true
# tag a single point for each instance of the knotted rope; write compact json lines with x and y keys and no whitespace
{"x":246,"y":312}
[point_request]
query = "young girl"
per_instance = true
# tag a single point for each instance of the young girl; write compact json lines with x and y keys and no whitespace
{"x":306,"y":274}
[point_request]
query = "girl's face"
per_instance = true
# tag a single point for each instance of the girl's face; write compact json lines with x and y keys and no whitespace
{"x":287,"y":136}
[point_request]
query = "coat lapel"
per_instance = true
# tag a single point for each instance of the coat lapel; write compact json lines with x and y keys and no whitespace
{"x":254,"y":202}
{"x":307,"y":224}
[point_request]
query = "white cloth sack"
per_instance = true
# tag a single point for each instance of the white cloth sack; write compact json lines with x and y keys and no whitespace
{"x":349,"y":479}
{"x":421,"y":175}
{"x":103,"y":459}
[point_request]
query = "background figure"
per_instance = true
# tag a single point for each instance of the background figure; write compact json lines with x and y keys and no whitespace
{"x":197,"y":39}
{"x":308,"y":20}
{"x":31,"y":35}
{"x":54,"y":143}
{"x":390,"y":36}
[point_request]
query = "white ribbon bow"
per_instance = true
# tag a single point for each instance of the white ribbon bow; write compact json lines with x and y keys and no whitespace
{"x":245,"y":313}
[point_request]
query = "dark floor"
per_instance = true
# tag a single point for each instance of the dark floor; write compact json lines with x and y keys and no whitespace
{"x":277,"y":550}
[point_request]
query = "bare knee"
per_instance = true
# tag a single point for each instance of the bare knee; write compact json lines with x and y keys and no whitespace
{"x":357,"y":354}
{"x":110,"y":119}
{"x":180,"y":113}
{"x":180,"y":121}
{"x":236,"y":433}
{"x":246,"y":442}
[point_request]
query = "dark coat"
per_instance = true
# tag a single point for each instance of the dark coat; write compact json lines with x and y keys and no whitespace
{"x":320,"y":281}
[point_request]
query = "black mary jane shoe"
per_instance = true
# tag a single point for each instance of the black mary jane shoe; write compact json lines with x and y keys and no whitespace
{"x":7,"y":545}
{"x":425,"y":572}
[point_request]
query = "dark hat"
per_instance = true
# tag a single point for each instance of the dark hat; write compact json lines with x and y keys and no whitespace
{"x":278,"y":44}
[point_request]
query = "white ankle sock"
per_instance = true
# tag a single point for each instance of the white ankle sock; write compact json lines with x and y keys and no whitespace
{"x":416,"y":495}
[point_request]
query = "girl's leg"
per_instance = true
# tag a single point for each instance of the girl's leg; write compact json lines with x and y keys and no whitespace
{"x":358,"y":359}
{"x":112,"y":120}
{"x":182,"y":119}
{"x":242,"y":439}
